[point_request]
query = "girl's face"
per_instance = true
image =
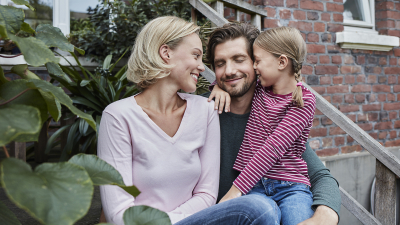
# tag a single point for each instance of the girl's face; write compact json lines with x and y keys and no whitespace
{"x":266,"y":66}
{"x":187,"y":58}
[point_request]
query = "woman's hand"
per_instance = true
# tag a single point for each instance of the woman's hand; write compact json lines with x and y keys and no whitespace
{"x":232,"y":193}
{"x":221,"y":98}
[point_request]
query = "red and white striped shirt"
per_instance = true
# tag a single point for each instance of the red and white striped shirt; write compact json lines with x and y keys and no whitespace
{"x":275,"y":138}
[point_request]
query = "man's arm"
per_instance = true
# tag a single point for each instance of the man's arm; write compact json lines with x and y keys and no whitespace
{"x":325,"y":189}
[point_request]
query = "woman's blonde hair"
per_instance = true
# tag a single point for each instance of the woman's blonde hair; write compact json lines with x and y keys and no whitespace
{"x":145,"y":65}
{"x":289,"y":42}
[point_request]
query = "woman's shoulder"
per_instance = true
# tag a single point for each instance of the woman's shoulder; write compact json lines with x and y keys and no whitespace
{"x":197,"y":100}
{"x":119,"y":107}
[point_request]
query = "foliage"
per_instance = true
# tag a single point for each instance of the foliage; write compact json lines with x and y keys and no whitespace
{"x":145,"y":215}
{"x":59,"y":193}
{"x":52,"y":193}
{"x":92,"y":96}
{"x":112,"y":26}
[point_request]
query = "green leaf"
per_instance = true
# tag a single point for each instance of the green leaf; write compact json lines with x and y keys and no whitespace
{"x":101,"y":172}
{"x":63,"y":98}
{"x":55,"y":69}
{"x":53,"y":106}
{"x":23,"y":2}
{"x":145,"y":215}
{"x":80,"y":51}
{"x":27,"y":28}
{"x":22,"y":71}
{"x":3,"y":32}
{"x":16,"y":120}
{"x":35,"y":52}
{"x":107,"y":62}
{"x":3,"y":79}
{"x":31,"y":98}
{"x":53,"y":137}
{"x":11,"y":18}
{"x":84,"y":83}
{"x":53,"y":37}
{"x":83,"y":127}
{"x":6,"y":216}
{"x":86,"y":102}
{"x":54,"y":193}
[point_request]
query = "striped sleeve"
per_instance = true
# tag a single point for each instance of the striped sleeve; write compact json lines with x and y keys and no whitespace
{"x":290,"y":128}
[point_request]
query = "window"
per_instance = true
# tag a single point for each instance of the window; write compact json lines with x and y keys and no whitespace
{"x":359,"y":13}
{"x":359,"y":28}
{"x":56,"y":12}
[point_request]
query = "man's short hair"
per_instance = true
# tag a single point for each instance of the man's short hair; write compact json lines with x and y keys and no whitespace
{"x":231,"y":31}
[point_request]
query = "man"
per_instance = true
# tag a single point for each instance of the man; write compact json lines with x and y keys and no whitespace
{"x":229,"y":51}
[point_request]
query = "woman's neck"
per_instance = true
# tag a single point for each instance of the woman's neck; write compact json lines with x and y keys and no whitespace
{"x":160,"y":97}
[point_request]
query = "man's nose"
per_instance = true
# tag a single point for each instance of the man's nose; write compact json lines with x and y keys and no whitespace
{"x":230,"y":69}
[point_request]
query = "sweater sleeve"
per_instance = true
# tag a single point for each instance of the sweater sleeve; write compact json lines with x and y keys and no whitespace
{"x":324,"y":187}
{"x":114,"y":147}
{"x":289,"y":129}
{"x":206,"y":190}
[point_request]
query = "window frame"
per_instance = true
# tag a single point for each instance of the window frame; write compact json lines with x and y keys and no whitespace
{"x":369,"y":14}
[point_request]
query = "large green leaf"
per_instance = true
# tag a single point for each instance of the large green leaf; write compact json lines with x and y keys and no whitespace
{"x":101,"y":172}
{"x":11,"y":18}
{"x":138,"y":215}
{"x":16,"y":120}
{"x":27,"y":28}
{"x":23,"y":2}
{"x":22,"y":71}
{"x":35,"y":52}
{"x":6,"y":216}
{"x":31,"y":97}
{"x":53,"y":37}
{"x":107,"y":62}
{"x":54,"y":193}
{"x":63,"y":98}
{"x":3,"y":32}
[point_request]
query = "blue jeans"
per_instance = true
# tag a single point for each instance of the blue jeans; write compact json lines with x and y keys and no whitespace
{"x":293,"y":199}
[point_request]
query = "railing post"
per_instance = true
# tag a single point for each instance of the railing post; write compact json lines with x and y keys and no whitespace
{"x":194,"y":16}
{"x":237,"y":15}
{"x":218,"y":6}
{"x":256,"y":21}
{"x":385,"y":195}
{"x":18,"y":150}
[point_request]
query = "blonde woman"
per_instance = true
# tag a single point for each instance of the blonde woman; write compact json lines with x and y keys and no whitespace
{"x":166,"y":143}
{"x":270,"y":158}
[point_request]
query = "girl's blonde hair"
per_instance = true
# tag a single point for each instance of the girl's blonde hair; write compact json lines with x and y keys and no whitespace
{"x":289,"y":42}
{"x":145,"y":65}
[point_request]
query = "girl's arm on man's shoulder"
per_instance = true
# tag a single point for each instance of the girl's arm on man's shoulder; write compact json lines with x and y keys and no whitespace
{"x":324,"y":186}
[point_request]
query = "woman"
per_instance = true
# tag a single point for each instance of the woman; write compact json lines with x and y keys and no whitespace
{"x":165,"y":143}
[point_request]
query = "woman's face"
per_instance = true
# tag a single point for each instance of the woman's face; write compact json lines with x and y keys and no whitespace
{"x":187,"y":58}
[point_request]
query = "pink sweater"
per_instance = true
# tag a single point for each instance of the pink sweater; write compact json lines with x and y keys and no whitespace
{"x":275,"y":139}
{"x":178,"y":175}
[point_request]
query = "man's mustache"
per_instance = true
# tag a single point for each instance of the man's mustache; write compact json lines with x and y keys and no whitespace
{"x":235,"y":76}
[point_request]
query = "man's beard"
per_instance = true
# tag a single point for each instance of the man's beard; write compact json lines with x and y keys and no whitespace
{"x":233,"y":92}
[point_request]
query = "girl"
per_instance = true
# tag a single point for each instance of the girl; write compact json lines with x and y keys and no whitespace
{"x":280,"y":120}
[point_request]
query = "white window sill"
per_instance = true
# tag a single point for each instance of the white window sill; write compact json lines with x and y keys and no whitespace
{"x":8,"y":63}
{"x":366,"y":40}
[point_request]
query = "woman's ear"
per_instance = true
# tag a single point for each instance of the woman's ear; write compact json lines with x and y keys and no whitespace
{"x":283,"y":62}
{"x":165,"y":53}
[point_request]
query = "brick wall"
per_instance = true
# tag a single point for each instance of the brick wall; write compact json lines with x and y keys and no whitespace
{"x":364,"y":85}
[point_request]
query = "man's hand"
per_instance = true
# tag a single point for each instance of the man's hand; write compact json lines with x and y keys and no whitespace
{"x":322,"y":216}
{"x":232,"y":193}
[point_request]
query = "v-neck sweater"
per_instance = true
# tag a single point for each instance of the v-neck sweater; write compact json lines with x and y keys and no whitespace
{"x":178,"y":175}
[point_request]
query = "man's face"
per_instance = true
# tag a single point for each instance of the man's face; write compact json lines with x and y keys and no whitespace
{"x":234,"y":67}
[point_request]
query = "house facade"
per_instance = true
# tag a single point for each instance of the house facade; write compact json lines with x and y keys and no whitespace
{"x":353,"y":62}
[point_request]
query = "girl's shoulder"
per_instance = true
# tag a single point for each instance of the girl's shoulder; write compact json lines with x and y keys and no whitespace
{"x":308,"y":96}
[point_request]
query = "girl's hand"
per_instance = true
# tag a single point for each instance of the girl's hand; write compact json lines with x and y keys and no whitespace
{"x":232,"y":193}
{"x":221,"y":98}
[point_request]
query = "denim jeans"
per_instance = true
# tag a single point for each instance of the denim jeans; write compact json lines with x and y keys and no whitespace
{"x":293,"y":199}
{"x":245,"y":210}
{"x":270,"y":202}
